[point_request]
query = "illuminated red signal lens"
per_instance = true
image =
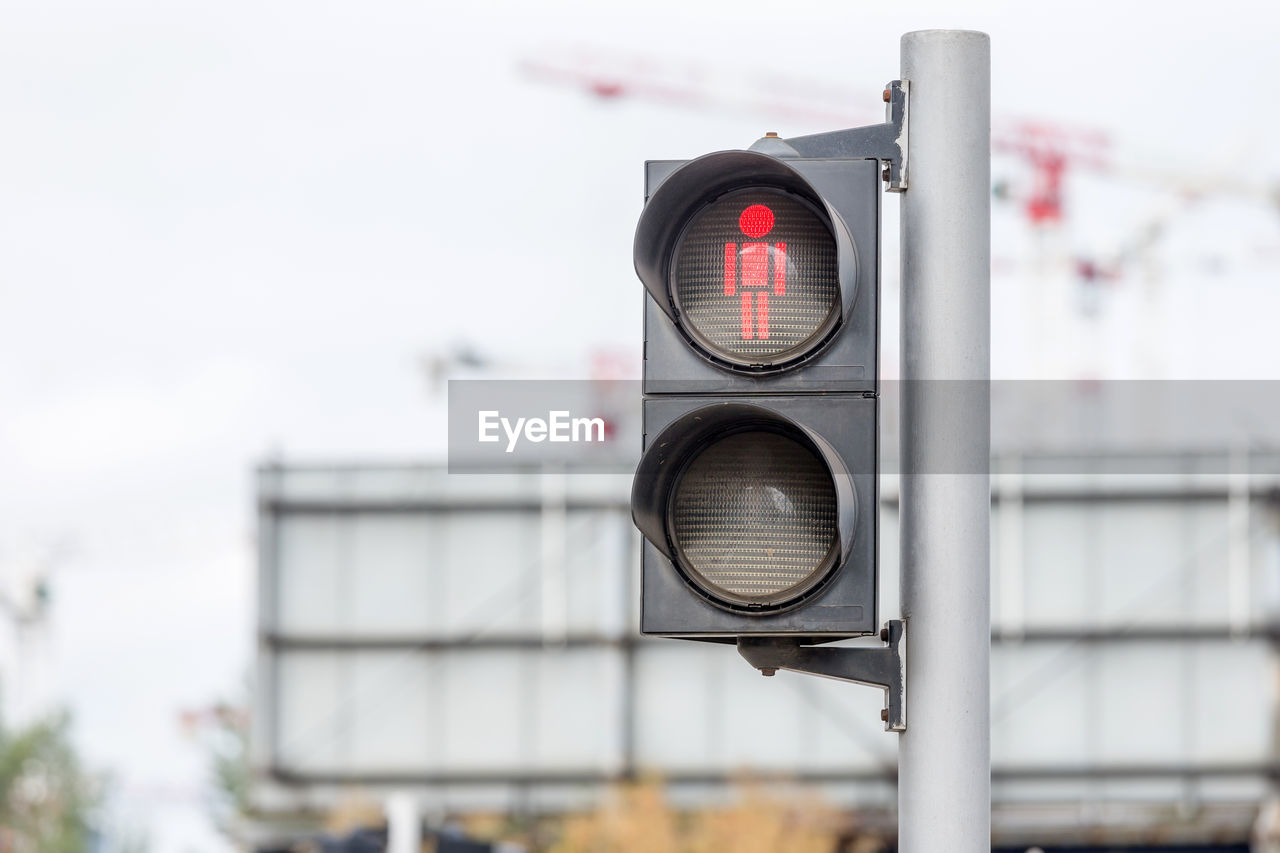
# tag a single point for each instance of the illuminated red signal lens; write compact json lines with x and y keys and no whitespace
{"x":756,"y":220}
{"x":755,"y":278}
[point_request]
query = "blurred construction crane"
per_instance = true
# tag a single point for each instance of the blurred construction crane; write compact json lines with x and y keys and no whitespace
{"x":1049,"y":148}
{"x":1049,"y":151}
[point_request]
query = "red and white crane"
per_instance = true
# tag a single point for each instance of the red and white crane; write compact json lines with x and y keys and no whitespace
{"x":1050,"y":150}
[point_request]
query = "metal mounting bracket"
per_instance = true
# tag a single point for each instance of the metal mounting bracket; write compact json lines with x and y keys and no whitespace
{"x":887,"y":141}
{"x":884,"y":667}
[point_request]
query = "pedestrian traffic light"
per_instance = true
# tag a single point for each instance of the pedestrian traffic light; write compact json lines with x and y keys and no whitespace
{"x":757,"y":492}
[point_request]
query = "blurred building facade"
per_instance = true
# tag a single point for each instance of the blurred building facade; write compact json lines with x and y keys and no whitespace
{"x":471,"y":640}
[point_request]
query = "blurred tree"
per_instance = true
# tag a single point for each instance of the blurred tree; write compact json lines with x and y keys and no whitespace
{"x":222,"y":729}
{"x":230,"y":753}
{"x":762,"y":819}
{"x":636,"y":820}
{"x":45,"y":796}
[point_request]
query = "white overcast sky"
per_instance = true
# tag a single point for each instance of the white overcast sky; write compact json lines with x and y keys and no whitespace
{"x":229,"y":228}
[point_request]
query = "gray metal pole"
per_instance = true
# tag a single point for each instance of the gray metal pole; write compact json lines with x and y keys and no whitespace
{"x":944,"y":758}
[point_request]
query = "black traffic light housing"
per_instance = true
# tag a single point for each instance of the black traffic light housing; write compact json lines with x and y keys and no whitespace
{"x":825,"y":398}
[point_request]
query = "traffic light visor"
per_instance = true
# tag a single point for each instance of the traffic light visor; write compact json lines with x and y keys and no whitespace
{"x":752,"y":509}
{"x":747,"y":259}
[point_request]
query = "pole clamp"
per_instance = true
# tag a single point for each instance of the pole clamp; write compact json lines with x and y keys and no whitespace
{"x":886,"y":141}
{"x":884,"y":667}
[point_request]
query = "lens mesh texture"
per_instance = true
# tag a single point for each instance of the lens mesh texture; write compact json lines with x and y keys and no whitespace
{"x":754,"y":518}
{"x":756,"y":277}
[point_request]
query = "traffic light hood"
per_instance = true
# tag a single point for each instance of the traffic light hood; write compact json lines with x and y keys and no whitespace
{"x":701,"y":181}
{"x":663,"y":464}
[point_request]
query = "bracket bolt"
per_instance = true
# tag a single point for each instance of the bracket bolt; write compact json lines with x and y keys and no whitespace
{"x":772,"y":134}
{"x":768,"y":670}
{"x":884,"y":715}
{"x":885,"y":95}
{"x":884,"y":173}
{"x":884,"y":632}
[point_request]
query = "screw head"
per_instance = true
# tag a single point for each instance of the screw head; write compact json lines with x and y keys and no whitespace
{"x":884,"y":635}
{"x":768,"y":670}
{"x":885,"y":95}
{"x":884,"y":715}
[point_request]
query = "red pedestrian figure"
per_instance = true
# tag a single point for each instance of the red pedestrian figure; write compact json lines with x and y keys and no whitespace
{"x":753,"y":277}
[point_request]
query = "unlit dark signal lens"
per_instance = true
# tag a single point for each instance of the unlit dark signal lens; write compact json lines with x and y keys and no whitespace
{"x":756,"y":278}
{"x":754,"y":519}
